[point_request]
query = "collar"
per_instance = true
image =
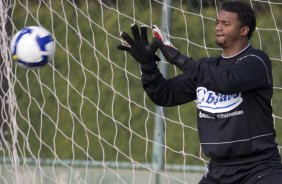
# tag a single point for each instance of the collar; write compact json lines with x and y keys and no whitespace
{"x":237,"y":53}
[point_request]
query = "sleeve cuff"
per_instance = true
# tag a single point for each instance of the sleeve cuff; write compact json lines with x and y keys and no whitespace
{"x":148,"y":66}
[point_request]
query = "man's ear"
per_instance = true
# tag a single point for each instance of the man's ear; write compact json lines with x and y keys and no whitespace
{"x":245,"y":30}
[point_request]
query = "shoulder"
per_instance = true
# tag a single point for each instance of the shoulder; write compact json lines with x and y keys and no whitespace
{"x":255,"y":55}
{"x":210,"y":60}
{"x":260,"y":53}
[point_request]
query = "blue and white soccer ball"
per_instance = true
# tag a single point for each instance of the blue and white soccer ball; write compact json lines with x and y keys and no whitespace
{"x":33,"y":47}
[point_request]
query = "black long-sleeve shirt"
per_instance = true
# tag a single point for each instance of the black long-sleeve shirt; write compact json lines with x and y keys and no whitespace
{"x":233,"y":97}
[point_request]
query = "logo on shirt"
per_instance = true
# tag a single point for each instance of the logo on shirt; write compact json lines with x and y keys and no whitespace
{"x":217,"y":102}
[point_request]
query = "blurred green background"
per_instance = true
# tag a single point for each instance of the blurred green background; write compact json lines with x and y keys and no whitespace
{"x":89,"y":104}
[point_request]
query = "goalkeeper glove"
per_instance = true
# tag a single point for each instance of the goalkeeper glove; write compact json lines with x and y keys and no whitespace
{"x":139,"y":47}
{"x":162,"y":42}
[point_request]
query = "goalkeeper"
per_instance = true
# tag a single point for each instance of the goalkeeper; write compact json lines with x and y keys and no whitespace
{"x":233,"y":94}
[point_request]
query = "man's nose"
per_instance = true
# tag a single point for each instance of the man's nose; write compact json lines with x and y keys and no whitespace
{"x":218,"y":27}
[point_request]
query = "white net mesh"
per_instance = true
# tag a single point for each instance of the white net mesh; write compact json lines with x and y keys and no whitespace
{"x":84,"y":118}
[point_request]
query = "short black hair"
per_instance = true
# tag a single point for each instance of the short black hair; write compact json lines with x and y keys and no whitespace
{"x":245,"y":14}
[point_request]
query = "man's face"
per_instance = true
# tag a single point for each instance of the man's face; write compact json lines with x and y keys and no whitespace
{"x":228,"y":29}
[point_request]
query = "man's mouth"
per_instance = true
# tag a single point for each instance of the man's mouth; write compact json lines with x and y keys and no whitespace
{"x":219,"y":35}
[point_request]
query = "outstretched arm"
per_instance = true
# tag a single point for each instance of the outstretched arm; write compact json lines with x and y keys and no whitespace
{"x":163,"y":92}
{"x":167,"y":92}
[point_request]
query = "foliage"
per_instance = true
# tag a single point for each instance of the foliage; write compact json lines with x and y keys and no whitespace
{"x":89,"y":104}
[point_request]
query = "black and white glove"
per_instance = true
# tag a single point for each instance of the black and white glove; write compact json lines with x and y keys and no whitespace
{"x":162,"y":41}
{"x":139,"y":47}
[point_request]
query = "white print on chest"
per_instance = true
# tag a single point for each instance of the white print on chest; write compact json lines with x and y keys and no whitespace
{"x":217,"y":102}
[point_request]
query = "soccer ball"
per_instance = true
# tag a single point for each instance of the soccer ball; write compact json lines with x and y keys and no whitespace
{"x":33,"y":47}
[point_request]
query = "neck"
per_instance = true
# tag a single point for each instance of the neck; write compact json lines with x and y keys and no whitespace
{"x":231,"y":52}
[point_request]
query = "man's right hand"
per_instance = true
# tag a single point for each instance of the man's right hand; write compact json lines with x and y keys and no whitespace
{"x":139,"y":47}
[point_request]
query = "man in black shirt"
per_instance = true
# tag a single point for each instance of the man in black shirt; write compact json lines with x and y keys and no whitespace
{"x":233,"y":94}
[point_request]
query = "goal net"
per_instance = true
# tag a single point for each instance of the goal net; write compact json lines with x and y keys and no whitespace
{"x":84,"y":117}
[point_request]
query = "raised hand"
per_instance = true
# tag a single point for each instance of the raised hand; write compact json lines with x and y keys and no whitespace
{"x":139,"y":47}
{"x":163,"y":42}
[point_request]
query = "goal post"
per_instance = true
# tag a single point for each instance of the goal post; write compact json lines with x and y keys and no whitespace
{"x":84,"y":117}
